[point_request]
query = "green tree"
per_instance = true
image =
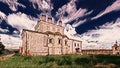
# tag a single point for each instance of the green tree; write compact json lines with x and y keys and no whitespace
{"x":2,"y":47}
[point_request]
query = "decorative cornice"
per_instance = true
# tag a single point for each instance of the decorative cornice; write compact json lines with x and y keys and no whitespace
{"x":48,"y":32}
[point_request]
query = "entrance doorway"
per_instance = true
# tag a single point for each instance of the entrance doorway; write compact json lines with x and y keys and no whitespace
{"x":77,"y":50}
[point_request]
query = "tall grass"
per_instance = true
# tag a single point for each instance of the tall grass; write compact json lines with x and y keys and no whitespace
{"x":66,"y":61}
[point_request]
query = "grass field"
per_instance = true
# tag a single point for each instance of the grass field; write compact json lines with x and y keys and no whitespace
{"x":66,"y":61}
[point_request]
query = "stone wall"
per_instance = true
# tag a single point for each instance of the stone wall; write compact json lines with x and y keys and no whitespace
{"x":44,"y":26}
{"x":97,"y":51}
{"x":36,"y":43}
{"x":116,"y":49}
{"x":77,"y":46}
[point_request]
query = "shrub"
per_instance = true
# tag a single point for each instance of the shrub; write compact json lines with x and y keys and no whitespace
{"x":49,"y":59}
{"x":27,"y":57}
{"x":51,"y":65}
{"x":82,"y":61}
{"x":60,"y":61}
{"x":67,"y":60}
{"x":64,"y":60}
{"x":2,"y":47}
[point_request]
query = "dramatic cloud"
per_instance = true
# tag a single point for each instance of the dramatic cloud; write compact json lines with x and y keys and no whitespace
{"x":11,"y":42}
{"x":114,"y":7}
{"x":3,"y":30}
{"x":76,"y":24}
{"x":99,"y":38}
{"x":13,"y":4}
{"x":2,"y":16}
{"x":70,"y":9}
{"x":69,"y":30}
{"x":21,"y":21}
{"x":43,"y":5}
{"x":106,"y":36}
{"x":68,"y":13}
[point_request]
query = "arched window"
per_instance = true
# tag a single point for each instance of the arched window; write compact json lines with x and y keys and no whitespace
{"x":59,"y":41}
{"x":115,"y":48}
{"x":65,"y":42}
{"x":78,"y":44}
{"x":75,"y":44}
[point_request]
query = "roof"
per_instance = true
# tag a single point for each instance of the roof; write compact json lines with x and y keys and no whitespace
{"x":97,"y":50}
{"x":49,"y":32}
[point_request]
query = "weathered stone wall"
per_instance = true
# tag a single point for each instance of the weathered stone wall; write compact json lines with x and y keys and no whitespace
{"x":70,"y":44}
{"x":77,"y":46}
{"x":116,"y":49}
{"x":36,"y":43}
{"x":96,"y":51}
{"x":23,"y":42}
{"x":44,"y":26}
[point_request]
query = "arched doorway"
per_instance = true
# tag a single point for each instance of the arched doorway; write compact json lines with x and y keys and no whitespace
{"x":77,"y":50}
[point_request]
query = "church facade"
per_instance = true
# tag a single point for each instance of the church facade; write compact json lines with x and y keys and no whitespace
{"x":48,"y":39}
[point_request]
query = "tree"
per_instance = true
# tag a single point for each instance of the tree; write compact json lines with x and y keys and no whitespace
{"x":2,"y":47}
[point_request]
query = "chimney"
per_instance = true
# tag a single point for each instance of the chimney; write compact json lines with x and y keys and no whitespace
{"x":43,"y":18}
{"x":49,"y":19}
{"x":60,"y":23}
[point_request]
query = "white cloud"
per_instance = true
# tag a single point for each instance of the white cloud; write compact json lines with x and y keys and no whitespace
{"x":21,"y":21}
{"x":4,"y":30}
{"x":43,"y":5}
{"x":69,"y":30}
{"x":2,"y":16}
{"x":13,"y":4}
{"x":104,"y":37}
{"x":73,"y":13}
{"x":76,"y":24}
{"x":11,"y":42}
{"x":114,"y":7}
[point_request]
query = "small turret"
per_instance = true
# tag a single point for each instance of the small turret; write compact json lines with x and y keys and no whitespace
{"x":60,"y":23}
{"x":43,"y":18}
{"x":115,"y":45}
{"x":49,"y":19}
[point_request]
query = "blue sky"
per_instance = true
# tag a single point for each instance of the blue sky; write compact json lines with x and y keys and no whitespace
{"x":94,"y":21}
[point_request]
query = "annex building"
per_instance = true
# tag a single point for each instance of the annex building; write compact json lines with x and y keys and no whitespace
{"x":48,"y":39}
{"x":115,"y":50}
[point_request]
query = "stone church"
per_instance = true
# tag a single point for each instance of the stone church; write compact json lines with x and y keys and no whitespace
{"x":48,"y":39}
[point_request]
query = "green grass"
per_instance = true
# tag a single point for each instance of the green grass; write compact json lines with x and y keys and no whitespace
{"x":66,"y":61}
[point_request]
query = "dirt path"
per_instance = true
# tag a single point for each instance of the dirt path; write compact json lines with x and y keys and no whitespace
{"x":6,"y":57}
